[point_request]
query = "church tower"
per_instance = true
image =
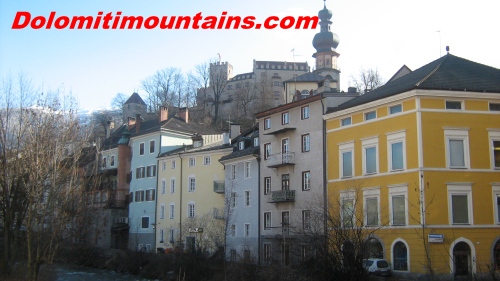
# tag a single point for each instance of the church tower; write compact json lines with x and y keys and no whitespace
{"x":325,"y":42}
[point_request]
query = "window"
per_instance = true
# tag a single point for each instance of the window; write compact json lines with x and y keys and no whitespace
{"x":172,"y":185}
{"x":104,"y":162}
{"x":172,"y":211}
{"x":150,"y":195}
{"x":247,"y":170}
{"x":346,"y":121}
{"x":494,"y":137}
{"x":192,"y":162}
{"x":347,"y":210}
{"x":241,"y":145}
{"x":233,"y":230}
{"x":139,"y":196}
{"x":285,"y":182}
{"x":163,"y":165}
{"x":304,"y":112}
{"x":163,"y":186}
{"x":152,"y":146}
{"x":370,"y":156}
{"x":400,"y":256}
{"x":247,"y":230}
{"x":256,"y":141}
{"x":267,"y":150}
{"x":171,"y":235}
{"x":141,"y":148}
{"x":233,"y":172}
{"x":457,"y":148}
{"x":191,"y":210}
{"x":494,"y":106}
{"x":371,"y":206}
{"x":151,"y":171}
{"x":267,"y":253}
{"x":370,"y":115}
{"x":346,"y":159}
{"x":192,"y":184}
{"x":285,"y":118}
{"x":267,"y":185}
{"x":460,"y":203}
{"x":396,"y":151}
{"x":162,"y":211}
{"x":174,"y":163}
{"x":454,"y":105}
{"x":395,"y":109}
{"x":232,"y":255}
{"x":398,"y":204}
{"x":267,"y":220}
{"x":306,"y":219}
{"x":145,"y":222}
{"x":277,"y":83}
{"x":112,"y":161}
{"x":496,"y":203}
{"x":206,"y":160}
{"x":306,"y":180}
{"x":233,"y":199}
{"x":247,"y":198}
{"x":162,"y":235}
{"x":306,"y":143}
{"x":267,"y":123}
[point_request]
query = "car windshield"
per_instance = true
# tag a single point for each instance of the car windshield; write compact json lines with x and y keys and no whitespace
{"x":369,"y":263}
{"x":381,"y":264}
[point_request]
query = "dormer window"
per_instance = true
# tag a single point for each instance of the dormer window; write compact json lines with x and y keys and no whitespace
{"x":197,"y":144}
{"x":104,"y":162}
{"x":241,"y":145}
{"x":256,"y":141}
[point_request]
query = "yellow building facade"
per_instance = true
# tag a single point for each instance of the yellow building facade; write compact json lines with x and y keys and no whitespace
{"x":418,"y":165}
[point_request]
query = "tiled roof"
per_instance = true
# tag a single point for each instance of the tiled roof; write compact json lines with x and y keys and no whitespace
{"x":135,"y":98}
{"x":253,"y":150}
{"x":307,"y":77}
{"x":190,"y":149}
{"x":449,"y":73}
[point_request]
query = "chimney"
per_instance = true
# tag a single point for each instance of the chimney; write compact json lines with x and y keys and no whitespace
{"x":225,"y":138}
{"x":235,"y":130}
{"x":124,"y":174}
{"x":108,"y":129}
{"x":163,"y":113}
{"x":131,"y":122}
{"x":183,"y":114}
{"x":138,"y":122}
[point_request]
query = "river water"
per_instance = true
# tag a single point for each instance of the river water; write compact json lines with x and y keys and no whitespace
{"x":63,"y":272}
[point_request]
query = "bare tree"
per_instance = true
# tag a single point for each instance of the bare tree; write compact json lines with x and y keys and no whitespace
{"x":218,"y":82}
{"x":244,"y":97}
{"x":265,"y":95}
{"x":201,"y":77}
{"x":118,"y":101}
{"x":163,"y":88}
{"x":367,"y":80}
{"x":41,"y":152}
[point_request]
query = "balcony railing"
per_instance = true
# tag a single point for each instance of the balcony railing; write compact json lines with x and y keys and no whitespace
{"x":280,"y":159}
{"x":219,"y":186}
{"x":281,"y":196}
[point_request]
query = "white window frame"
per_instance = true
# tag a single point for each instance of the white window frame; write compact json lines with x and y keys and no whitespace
{"x":233,"y":230}
{"x":368,"y":112}
{"x":104,"y":163}
{"x":172,"y":185}
{"x":163,"y":186}
{"x":306,"y":185}
{"x":392,"y":138}
{"x":343,"y":148}
{"x":256,"y":141}
{"x":192,"y":184}
{"x":267,"y":220}
{"x":267,"y":187}
{"x":393,"y":106}
{"x":162,"y":211}
{"x":171,"y":211}
{"x":457,"y":101}
{"x":285,"y":118}
{"x":460,"y":189}
{"x":247,"y":230}
{"x":457,"y":134}
{"x":233,"y":171}
{"x":395,"y":191}
{"x":207,"y":160}
{"x":247,"y":198}
{"x":241,"y":145}
{"x":174,"y":164}
{"x":149,"y":221}
{"x":370,"y":143}
{"x":191,"y":213}
{"x":154,"y":146}
{"x":306,"y":219}
{"x":493,"y":135}
{"x":192,"y":161}
{"x":348,"y":195}
{"x":164,"y":165}
{"x":267,"y":123}
{"x":371,"y":193}
{"x":234,"y":196}
{"x":247,"y":169}
{"x":345,"y":119}
{"x":266,"y":154}
{"x":304,"y":112}
{"x":143,"y":148}
{"x":306,"y":142}
{"x":495,"y":188}
{"x":112,"y":161}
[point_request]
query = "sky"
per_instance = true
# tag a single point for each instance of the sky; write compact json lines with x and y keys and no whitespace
{"x":95,"y":65}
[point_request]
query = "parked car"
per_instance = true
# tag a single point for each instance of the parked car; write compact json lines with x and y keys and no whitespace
{"x":378,"y":267}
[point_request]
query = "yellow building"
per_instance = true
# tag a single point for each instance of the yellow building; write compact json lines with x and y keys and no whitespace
{"x":417,"y":163}
{"x":190,"y":202}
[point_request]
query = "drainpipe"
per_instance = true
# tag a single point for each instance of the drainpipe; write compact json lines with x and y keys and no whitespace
{"x":325,"y":189}
{"x":180,"y":199}
{"x":258,"y":209}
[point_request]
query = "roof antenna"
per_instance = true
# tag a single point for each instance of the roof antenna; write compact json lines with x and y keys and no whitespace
{"x":448,"y":49}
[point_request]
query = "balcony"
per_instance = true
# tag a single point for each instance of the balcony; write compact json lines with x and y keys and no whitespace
{"x":281,"y":196}
{"x":280,"y":159}
{"x":219,"y":186}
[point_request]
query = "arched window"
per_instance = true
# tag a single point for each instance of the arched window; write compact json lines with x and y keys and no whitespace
{"x":400,"y":256}
{"x":374,"y":249}
{"x":461,"y":259}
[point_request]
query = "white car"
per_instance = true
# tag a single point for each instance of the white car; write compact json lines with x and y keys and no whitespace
{"x":377,"y":267}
